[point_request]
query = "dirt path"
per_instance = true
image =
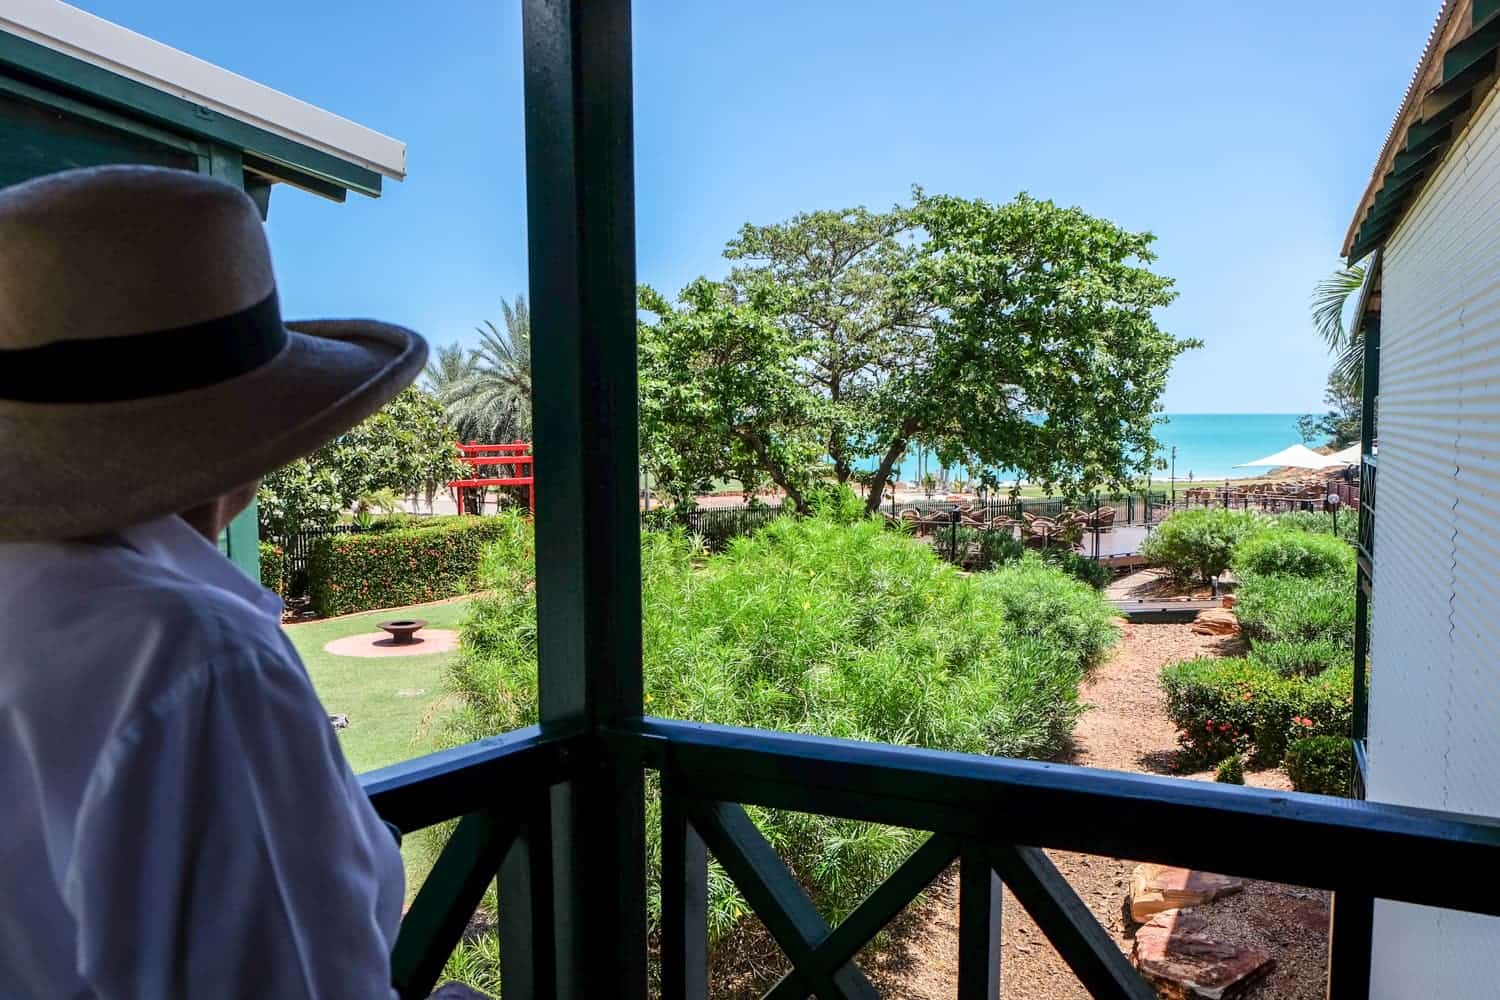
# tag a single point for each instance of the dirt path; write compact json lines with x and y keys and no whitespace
{"x":1125,"y":729}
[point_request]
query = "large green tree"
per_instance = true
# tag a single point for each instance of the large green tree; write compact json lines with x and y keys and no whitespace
{"x":1018,"y":336}
{"x":405,"y":448}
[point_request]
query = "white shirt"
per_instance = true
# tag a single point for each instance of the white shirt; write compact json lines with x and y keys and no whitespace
{"x":179,"y":820}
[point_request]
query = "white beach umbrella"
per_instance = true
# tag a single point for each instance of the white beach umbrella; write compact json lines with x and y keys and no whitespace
{"x":1349,"y":456}
{"x":1298,"y":456}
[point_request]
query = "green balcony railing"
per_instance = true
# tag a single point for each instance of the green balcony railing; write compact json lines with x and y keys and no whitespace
{"x":991,"y":815}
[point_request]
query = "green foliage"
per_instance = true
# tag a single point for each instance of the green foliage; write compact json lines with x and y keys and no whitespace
{"x":1282,"y":608}
{"x":487,"y":390}
{"x":1231,"y":770}
{"x":720,"y":396}
{"x":1199,"y":544}
{"x":1294,"y":553}
{"x":1320,"y":523}
{"x":855,"y":335}
{"x":1045,"y":357}
{"x":1302,"y":659}
{"x":1242,"y":706}
{"x":1079,"y":567}
{"x":405,"y":448}
{"x":1322,"y":765}
{"x":816,"y":626}
{"x":980,"y":550}
{"x":1224,"y":707}
{"x":399,"y":566}
{"x":476,"y":964}
{"x":273,"y":568}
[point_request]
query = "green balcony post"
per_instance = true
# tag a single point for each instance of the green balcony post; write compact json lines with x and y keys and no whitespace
{"x":580,"y":208}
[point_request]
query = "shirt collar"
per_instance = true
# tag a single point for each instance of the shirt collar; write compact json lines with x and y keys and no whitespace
{"x":173,"y":543}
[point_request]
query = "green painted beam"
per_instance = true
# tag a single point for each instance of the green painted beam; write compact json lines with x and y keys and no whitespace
{"x":1472,"y":48}
{"x":95,"y":84}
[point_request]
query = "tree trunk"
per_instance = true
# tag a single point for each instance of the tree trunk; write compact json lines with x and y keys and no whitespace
{"x":777,"y":474}
{"x":892,"y":455}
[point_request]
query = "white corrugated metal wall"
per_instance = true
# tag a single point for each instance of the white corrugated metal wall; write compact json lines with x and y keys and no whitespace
{"x":1435,"y":645}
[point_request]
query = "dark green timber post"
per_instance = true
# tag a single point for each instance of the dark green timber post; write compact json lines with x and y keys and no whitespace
{"x":581,"y":224}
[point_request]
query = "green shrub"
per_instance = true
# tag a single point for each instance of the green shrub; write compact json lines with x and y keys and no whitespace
{"x":1240,"y":706}
{"x":1323,"y":705}
{"x":1079,"y":567}
{"x":1199,"y":544}
{"x":1323,"y":765}
{"x":1321,"y":523}
{"x":1231,"y":770}
{"x":1302,"y":659}
{"x":981,"y":550}
{"x":812,"y":626}
{"x":1293,"y":553}
{"x":399,"y":566}
{"x":1224,"y":707}
{"x":1281,"y":608}
{"x":273,"y":568}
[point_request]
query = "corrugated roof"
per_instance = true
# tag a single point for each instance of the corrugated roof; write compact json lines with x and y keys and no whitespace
{"x":1441,"y":94}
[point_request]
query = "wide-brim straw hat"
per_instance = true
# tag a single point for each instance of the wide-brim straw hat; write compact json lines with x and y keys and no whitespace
{"x":144,"y":364}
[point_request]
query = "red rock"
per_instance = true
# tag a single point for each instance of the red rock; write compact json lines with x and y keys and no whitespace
{"x":1182,"y":962}
{"x":1154,"y":888}
{"x":1216,"y":621}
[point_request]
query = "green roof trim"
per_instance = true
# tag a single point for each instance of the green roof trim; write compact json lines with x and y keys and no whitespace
{"x":282,"y":158}
{"x":1471,"y":63}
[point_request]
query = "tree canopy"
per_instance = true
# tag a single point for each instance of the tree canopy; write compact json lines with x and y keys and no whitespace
{"x":1018,"y":336}
{"x":487,"y":390}
{"x":407,"y":448}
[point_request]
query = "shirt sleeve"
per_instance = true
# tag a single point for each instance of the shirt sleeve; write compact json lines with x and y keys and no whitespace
{"x":224,"y":849}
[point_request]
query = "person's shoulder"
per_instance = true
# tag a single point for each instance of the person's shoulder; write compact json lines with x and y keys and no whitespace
{"x":87,"y":608}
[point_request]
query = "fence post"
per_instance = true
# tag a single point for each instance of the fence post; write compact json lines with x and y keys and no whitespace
{"x":953,"y":540}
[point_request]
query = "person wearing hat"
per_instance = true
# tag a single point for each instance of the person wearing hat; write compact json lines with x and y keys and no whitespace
{"x":181,"y":821}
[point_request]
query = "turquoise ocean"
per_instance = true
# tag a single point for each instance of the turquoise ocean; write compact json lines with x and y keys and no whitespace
{"x":1209,"y":445}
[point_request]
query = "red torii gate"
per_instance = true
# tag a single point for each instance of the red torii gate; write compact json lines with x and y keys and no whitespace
{"x":516,"y":455}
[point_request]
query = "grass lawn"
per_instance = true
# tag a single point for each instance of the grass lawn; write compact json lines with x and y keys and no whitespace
{"x":385,"y":724}
{"x":387,"y":721}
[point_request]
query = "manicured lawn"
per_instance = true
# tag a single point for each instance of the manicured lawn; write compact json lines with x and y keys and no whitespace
{"x":394,"y":703}
{"x":387,"y":722}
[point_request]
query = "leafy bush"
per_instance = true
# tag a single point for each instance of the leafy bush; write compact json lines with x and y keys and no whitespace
{"x":273,"y":568}
{"x":1079,"y":567}
{"x":1231,"y":770}
{"x":1293,"y":553}
{"x":1301,"y":659}
{"x":1282,"y":608}
{"x":1224,"y":707}
{"x":387,"y":569}
{"x":1323,"y":765}
{"x":1320,"y":523}
{"x":1199,"y":544}
{"x":981,"y":550}
{"x":813,"y":626}
{"x":1240,"y":706}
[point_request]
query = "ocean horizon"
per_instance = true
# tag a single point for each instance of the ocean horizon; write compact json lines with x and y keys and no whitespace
{"x":1209,"y":445}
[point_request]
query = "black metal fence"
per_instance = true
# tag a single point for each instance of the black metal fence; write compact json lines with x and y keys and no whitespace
{"x":298,"y":549}
{"x":717,"y":526}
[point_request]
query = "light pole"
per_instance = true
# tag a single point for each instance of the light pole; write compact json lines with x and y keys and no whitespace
{"x":1331,"y":502}
{"x":1174,"y":475}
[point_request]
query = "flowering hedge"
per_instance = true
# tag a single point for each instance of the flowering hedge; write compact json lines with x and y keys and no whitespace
{"x":1224,"y":707}
{"x":387,"y":569}
{"x":273,"y":568}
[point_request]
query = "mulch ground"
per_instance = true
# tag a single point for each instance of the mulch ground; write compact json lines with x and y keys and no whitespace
{"x":1124,"y":729}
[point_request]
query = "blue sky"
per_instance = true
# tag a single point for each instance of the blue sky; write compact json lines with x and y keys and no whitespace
{"x":1240,"y":134}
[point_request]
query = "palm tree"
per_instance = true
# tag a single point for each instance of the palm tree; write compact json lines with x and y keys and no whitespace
{"x":487,"y":391}
{"x":1329,"y":299}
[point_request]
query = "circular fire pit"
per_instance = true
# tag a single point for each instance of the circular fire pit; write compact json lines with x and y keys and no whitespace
{"x":403,"y":630}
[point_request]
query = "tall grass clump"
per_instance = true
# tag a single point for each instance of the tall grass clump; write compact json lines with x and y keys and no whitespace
{"x":829,"y":626}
